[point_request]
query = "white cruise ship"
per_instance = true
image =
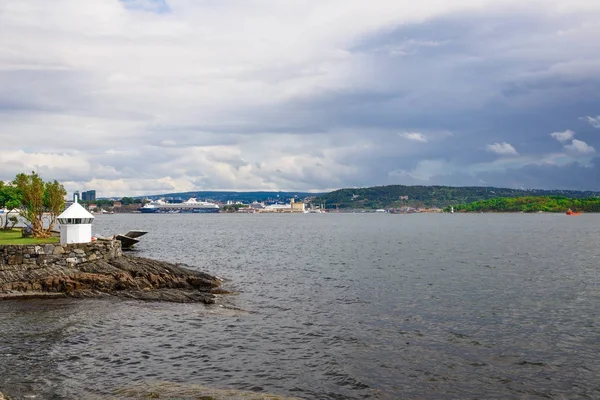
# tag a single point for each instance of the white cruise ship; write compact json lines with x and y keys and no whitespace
{"x":189,"y":206}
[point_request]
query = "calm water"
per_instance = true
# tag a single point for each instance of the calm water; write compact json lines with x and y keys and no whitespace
{"x":331,"y":306}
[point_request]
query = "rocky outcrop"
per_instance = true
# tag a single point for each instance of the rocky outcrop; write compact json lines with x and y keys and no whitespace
{"x":107,"y":274}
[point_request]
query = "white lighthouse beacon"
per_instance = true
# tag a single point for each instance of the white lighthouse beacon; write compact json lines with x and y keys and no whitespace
{"x":75,"y":224}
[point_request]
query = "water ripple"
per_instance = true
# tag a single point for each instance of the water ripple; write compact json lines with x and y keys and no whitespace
{"x":340,"y":307}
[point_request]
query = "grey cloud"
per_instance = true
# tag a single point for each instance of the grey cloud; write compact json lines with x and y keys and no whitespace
{"x":332,"y":118}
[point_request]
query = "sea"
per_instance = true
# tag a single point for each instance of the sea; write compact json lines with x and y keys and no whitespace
{"x":332,"y":306}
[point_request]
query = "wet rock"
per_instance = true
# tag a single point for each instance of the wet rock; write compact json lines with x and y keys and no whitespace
{"x":125,"y":276}
{"x":170,"y":390}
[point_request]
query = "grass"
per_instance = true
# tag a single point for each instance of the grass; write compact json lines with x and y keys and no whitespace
{"x":13,"y":236}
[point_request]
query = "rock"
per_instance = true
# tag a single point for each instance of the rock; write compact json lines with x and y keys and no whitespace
{"x":172,"y":390}
{"x":15,"y":260}
{"x":125,"y":276}
{"x":58,"y":250}
{"x":49,"y":249}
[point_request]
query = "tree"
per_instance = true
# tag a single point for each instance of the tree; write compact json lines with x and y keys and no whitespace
{"x":127,"y":201}
{"x":39,"y":197}
{"x":10,"y":199}
{"x":54,"y":201}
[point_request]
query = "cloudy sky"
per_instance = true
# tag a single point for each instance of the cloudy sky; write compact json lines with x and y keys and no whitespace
{"x":152,"y":96}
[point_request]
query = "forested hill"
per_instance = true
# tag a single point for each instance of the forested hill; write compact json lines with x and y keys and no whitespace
{"x":396,"y":196}
{"x":532,"y":204}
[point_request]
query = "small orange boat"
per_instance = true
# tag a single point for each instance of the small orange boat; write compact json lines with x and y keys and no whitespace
{"x":572,"y":213}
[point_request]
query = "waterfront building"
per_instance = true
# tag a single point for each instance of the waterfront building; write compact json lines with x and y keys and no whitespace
{"x":256,"y":205}
{"x":297,"y":207}
{"x":75,"y":224}
{"x":291,"y":207}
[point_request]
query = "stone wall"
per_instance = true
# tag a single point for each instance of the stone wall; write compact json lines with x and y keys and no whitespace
{"x":59,"y":254}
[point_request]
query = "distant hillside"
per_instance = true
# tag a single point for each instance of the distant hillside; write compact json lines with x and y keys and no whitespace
{"x":397,"y":196}
{"x":246,"y":197}
{"x":532,"y":204}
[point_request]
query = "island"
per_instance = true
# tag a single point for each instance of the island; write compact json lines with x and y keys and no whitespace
{"x":529,"y":204}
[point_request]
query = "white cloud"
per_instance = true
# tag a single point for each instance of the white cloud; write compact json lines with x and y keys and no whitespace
{"x":563,"y":136}
{"x":415,"y":136}
{"x":503,"y":149}
{"x":595,"y":122}
{"x":180,"y":94}
{"x":579,"y":147}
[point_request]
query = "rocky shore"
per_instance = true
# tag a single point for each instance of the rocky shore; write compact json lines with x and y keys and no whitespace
{"x":97,"y":270}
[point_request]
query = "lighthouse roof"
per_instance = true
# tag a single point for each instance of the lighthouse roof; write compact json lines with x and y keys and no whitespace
{"x":75,"y":211}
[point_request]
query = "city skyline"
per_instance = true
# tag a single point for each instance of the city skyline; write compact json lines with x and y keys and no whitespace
{"x":157,"y":96}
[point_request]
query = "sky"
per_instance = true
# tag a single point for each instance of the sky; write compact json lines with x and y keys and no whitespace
{"x":138,"y":97}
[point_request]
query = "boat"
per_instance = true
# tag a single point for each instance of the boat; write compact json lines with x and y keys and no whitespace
{"x":129,"y":239}
{"x":188,"y":206}
{"x":135,"y":233}
{"x":573,"y":213}
{"x":126,"y":242}
{"x":314,"y":211}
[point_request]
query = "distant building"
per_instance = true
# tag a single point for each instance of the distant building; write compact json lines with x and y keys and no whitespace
{"x":296,"y":206}
{"x":90,"y":195}
{"x":76,"y":196}
{"x":291,"y":207}
{"x":256,"y":205}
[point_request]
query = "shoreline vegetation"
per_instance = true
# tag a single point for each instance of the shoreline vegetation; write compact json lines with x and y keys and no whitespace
{"x":530,"y":204}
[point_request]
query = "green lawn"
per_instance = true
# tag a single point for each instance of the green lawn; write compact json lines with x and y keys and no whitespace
{"x":14,"y":237}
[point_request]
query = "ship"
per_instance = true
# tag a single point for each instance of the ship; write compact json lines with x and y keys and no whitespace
{"x":190,"y":206}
